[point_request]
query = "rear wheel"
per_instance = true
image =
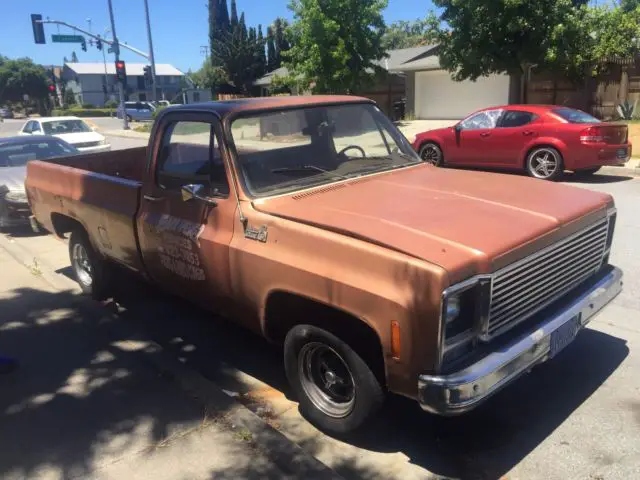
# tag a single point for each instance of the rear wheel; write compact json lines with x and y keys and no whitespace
{"x":432,"y":153}
{"x":544,"y":163}
{"x":89,"y":269}
{"x":129,"y":119}
{"x":336,"y":389}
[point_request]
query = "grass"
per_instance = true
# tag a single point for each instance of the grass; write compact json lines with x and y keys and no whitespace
{"x":143,"y":127}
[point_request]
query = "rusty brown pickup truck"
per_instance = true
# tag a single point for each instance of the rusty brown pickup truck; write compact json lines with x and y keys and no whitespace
{"x":311,"y":221}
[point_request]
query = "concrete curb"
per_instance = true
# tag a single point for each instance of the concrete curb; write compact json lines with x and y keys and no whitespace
{"x":621,"y":171}
{"x":126,"y":134}
{"x":287,"y":455}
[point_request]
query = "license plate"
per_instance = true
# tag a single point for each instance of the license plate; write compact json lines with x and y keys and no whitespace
{"x":564,"y":335}
{"x":621,"y":153}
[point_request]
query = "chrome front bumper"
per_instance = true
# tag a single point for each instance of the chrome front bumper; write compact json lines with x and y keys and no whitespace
{"x":461,"y":391}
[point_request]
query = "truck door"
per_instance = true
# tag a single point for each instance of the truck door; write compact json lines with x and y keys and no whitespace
{"x":185,"y":242}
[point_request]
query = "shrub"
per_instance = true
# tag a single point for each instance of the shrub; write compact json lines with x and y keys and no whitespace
{"x":88,"y":105}
{"x":111,"y":104}
{"x":157,"y":111}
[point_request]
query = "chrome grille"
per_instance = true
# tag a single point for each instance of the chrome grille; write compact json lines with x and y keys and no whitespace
{"x":525,"y":287}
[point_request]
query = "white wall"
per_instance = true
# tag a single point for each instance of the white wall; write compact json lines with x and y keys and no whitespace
{"x":437,"y":96}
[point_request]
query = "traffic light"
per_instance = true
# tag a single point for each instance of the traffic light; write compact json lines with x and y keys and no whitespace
{"x":99,"y":44}
{"x":38,"y":28}
{"x":52,"y":89}
{"x":84,"y":45}
{"x":148,"y":78}
{"x":121,"y":71}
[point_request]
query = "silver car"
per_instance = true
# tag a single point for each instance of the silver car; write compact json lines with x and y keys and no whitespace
{"x":15,"y":152}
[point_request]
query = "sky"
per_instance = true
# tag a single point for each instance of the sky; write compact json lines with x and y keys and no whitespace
{"x":179,"y":27}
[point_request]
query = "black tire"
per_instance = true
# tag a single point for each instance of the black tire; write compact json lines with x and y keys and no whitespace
{"x":585,"y":172}
{"x":548,"y":171}
{"x":92,"y":276}
{"x":368,"y":396}
{"x":430,"y":152}
{"x":129,"y":119}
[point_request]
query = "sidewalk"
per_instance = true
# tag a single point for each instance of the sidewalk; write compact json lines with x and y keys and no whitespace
{"x":92,"y":400}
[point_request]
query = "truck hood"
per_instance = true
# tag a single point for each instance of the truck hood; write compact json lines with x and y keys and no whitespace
{"x":13,"y":178}
{"x":467,"y":222}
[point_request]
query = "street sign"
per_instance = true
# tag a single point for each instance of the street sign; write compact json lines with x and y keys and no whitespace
{"x":67,"y":38}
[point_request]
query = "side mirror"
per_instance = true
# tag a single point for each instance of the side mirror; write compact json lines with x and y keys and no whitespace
{"x":193,"y":191}
{"x":458,"y":127}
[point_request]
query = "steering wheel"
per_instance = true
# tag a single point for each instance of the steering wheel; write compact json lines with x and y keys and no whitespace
{"x":352,"y":147}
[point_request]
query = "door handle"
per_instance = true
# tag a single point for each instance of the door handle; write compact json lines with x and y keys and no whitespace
{"x":485,"y":134}
{"x":151,"y":198}
{"x":527,"y":133}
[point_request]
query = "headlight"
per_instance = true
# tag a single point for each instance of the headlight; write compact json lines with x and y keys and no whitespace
{"x":103,"y":142}
{"x":465,"y":307}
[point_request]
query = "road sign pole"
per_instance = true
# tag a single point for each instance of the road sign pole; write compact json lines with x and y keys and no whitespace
{"x":116,"y":45}
{"x":151,"y":58}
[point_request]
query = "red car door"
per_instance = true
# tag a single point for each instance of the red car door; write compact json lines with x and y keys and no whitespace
{"x":474,"y":136}
{"x":515,"y":129}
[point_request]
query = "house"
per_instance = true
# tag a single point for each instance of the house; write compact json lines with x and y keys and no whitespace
{"x":95,"y":83}
{"x":432,"y":94}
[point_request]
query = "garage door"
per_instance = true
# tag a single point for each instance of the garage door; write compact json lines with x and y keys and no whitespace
{"x":439,"y":97}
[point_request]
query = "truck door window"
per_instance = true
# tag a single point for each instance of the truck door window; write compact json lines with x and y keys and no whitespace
{"x":190,"y":154}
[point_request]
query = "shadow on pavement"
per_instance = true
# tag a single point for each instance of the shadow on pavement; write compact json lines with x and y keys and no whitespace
{"x":485,"y":443}
{"x":86,"y":398}
{"x":595,"y":179}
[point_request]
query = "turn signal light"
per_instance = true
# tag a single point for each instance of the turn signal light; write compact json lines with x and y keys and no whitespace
{"x":395,"y":340}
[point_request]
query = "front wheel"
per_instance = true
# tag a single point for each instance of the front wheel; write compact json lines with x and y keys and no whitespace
{"x":336,"y":389}
{"x":88,"y":267}
{"x":432,"y":153}
{"x":544,"y":163}
{"x":129,"y":119}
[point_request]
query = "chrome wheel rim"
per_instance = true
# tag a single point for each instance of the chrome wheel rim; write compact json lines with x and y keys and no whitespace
{"x":82,"y":264}
{"x":430,"y":154}
{"x":326,"y":380}
{"x":543,"y":163}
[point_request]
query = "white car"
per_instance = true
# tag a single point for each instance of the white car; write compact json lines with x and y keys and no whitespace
{"x":72,"y":130}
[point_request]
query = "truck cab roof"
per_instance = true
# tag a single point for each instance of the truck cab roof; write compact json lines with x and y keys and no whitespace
{"x":228,"y":107}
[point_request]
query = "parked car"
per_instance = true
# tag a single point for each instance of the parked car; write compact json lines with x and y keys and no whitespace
{"x":15,"y":152}
{"x":378,"y":273}
{"x":72,"y":130}
{"x":542,"y":140}
{"x":6,"y":113}
{"x":137,"y":111}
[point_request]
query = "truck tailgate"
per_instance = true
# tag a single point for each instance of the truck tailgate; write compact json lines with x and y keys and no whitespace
{"x":104,"y":205}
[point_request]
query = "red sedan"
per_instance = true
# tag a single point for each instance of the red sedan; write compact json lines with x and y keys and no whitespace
{"x":544,"y":140}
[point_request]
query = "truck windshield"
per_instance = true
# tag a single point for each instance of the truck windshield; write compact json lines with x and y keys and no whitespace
{"x":293,"y":149}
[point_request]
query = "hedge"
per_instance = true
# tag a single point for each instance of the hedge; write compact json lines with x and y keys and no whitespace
{"x":83,"y":112}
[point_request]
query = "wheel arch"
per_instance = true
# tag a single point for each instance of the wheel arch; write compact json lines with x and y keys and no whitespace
{"x":285,"y":309}
{"x":541,"y":143}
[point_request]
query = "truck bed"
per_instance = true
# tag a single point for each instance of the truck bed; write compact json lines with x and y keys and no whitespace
{"x":99,"y":191}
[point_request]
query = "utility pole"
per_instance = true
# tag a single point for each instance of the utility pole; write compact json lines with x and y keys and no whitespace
{"x":116,"y":51}
{"x":153,"y":62}
{"x":106,"y":75}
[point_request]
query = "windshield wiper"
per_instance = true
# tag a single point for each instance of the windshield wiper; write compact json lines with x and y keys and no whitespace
{"x":306,"y":168}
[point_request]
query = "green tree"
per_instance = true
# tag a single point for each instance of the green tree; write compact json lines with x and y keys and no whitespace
{"x":271,"y":51}
{"x":234,"y":14}
{"x":69,"y":98}
{"x":281,"y":43}
{"x":208,"y":76}
{"x":480,"y":37}
{"x":405,"y":34}
{"x":335,"y":44}
{"x":260,"y":52}
{"x":74,"y":57}
{"x":19,"y":77}
{"x":629,"y":5}
{"x":615,"y":31}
